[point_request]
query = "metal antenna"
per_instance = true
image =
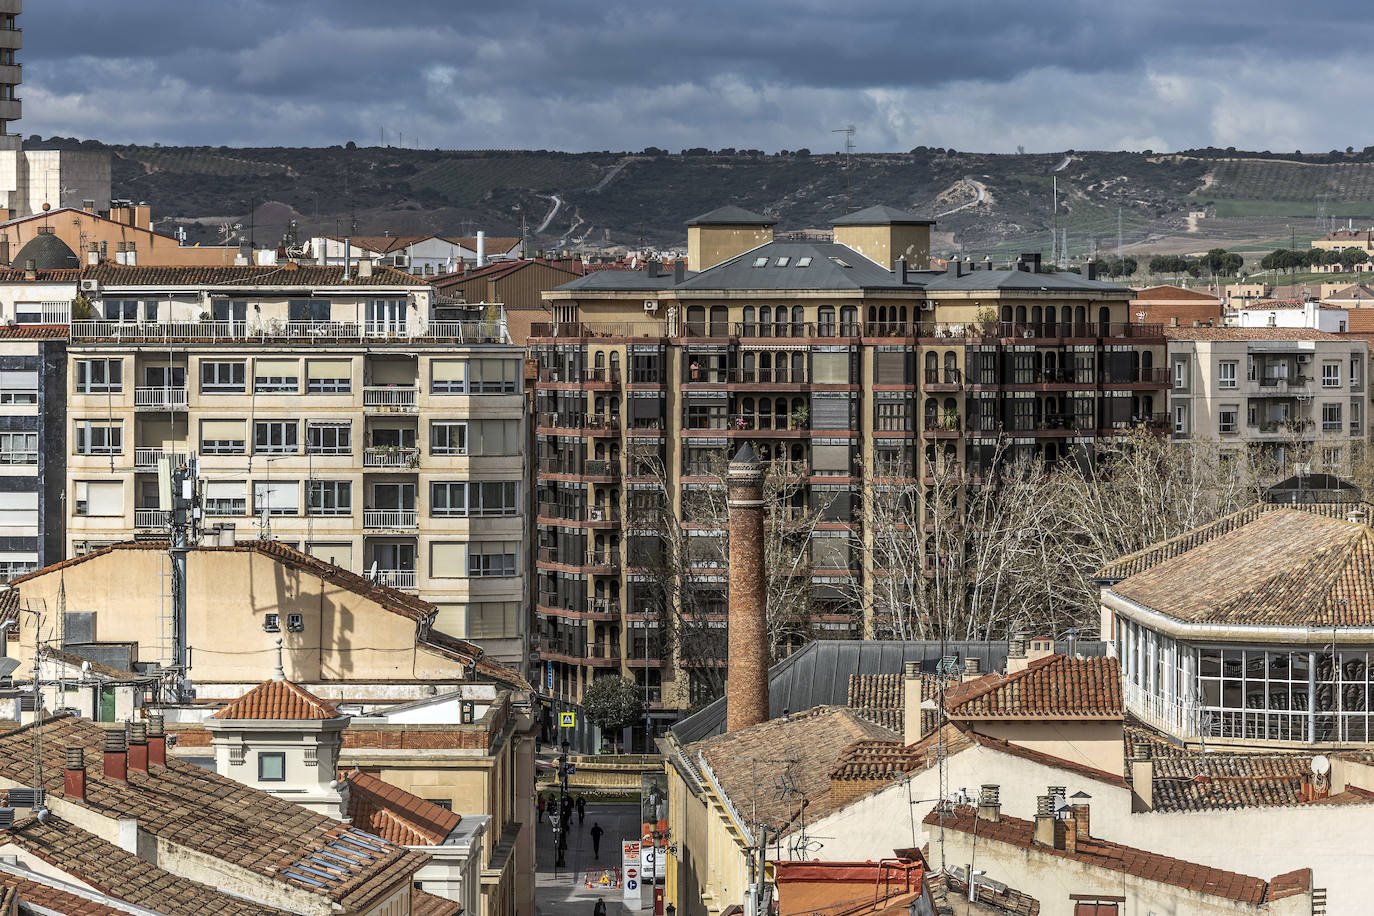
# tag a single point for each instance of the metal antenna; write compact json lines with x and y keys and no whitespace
{"x":848,"y":132}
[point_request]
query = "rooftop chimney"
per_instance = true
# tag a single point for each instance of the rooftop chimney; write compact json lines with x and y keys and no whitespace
{"x":1016,"y":653}
{"x":911,"y":703}
{"x":30,"y":270}
{"x":1076,"y":828}
{"x":651,"y":268}
{"x":1090,"y":269}
{"x":157,"y":740}
{"x":1142,"y":773}
{"x":1044,"y":821}
{"x":348,"y":256}
{"x":74,"y":776}
{"x":679,"y":270}
{"x":989,"y":804}
{"x":901,"y":270}
{"x":138,"y":747}
{"x":364,"y":268}
{"x":93,"y":255}
{"x":481,"y":248}
{"x":116,"y":762}
{"x":5,"y":250}
{"x":972,"y":668}
{"x":746,"y":686}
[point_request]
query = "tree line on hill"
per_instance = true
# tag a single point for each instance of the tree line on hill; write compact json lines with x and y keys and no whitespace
{"x":1291,"y":259}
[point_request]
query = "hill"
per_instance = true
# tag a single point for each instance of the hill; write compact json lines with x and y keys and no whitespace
{"x":984,"y":203}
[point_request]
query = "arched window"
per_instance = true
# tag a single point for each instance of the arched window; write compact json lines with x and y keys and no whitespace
{"x":1147,"y":360}
{"x":765,"y":367}
{"x":747,"y":367}
{"x":748,"y":330}
{"x":780,"y":320}
{"x":765,"y":419}
{"x":696,"y":321}
{"x":825,"y":321}
{"x":780,"y":414}
{"x":932,"y":364}
{"x":1080,"y":319}
{"x":849,"y":321}
{"x":951,"y":368}
{"x":1050,"y":319}
{"x":1020,"y":314}
{"x":798,"y":367}
{"x":720,"y":321}
{"x":1104,"y":318}
{"x":798,"y":321}
{"x":599,"y":360}
{"x":615,"y":364}
{"x":1037,"y":318}
{"x":765,"y":322}
{"x":901,"y":317}
{"x":614,"y":405}
{"x":932,"y":413}
{"x":746,"y":409}
{"x":1006,"y":314}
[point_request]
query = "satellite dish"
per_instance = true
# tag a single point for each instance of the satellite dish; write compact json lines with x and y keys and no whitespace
{"x":1321,"y":765}
{"x":372,"y":573}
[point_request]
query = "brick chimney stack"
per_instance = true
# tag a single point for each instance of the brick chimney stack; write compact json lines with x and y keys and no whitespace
{"x":138,"y":747}
{"x":746,"y":687}
{"x":74,"y":776}
{"x":116,"y":762}
{"x":157,"y":740}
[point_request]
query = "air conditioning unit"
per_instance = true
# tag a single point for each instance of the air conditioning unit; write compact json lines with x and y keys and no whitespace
{"x":271,"y":623}
{"x":927,"y":306}
{"x":594,"y":515}
{"x":1304,"y":357}
{"x":651,"y":305}
{"x":90,"y":286}
{"x":82,"y":507}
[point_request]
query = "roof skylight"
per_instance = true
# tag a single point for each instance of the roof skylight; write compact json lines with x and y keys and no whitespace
{"x":804,"y":261}
{"x":783,"y":261}
{"x":840,"y":261}
{"x":760,"y":262}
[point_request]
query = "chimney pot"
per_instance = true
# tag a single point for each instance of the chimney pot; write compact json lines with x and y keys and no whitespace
{"x":157,"y":740}
{"x":972,"y":667}
{"x":1142,"y":750}
{"x":74,"y":776}
{"x":1044,"y":821}
{"x":138,"y":747}
{"x":116,"y":762}
{"x":989,"y":803}
{"x":30,"y":270}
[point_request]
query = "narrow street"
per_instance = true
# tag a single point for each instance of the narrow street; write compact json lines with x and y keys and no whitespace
{"x":564,"y":891}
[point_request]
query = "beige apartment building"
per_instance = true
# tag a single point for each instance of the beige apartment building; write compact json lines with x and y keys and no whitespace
{"x":1293,"y":390}
{"x":339,"y":411}
{"x":839,"y":361}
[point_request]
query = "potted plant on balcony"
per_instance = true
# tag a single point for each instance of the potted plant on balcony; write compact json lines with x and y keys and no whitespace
{"x":950,"y":419}
{"x":801,"y":416}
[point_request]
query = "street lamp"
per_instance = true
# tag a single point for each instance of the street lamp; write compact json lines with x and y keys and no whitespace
{"x":561,"y":823}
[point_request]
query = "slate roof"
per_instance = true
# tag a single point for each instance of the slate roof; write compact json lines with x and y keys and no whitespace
{"x":278,"y":700}
{"x":396,"y":815}
{"x":882,"y":215}
{"x":186,"y":805}
{"x":813,"y":741}
{"x":731,"y":215}
{"x":48,"y":252}
{"x":818,"y":673}
{"x":1054,"y":687}
{"x":280,"y":276}
{"x":623,"y":281}
{"x":1287,"y":567}
{"x":1102,"y":854}
{"x":1022,"y":281}
{"x":112,"y":871}
{"x":833,"y":266}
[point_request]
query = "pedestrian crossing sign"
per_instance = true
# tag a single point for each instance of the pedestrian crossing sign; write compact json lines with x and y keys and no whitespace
{"x":567,"y":719}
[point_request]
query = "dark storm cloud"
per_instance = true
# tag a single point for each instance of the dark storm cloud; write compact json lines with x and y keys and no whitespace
{"x":582,"y":75}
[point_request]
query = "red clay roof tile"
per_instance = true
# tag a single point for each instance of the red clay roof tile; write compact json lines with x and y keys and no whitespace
{"x":278,"y":700}
{"x":396,"y":815}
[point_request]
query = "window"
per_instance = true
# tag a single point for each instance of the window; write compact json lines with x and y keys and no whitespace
{"x":275,"y":437}
{"x":94,"y":498}
{"x":1251,"y":415}
{"x":276,"y":376}
{"x":1355,"y":428}
{"x":328,"y":376}
{"x":1181,"y":374}
{"x":226,"y":497}
{"x":99,"y":437}
{"x":307,"y":310}
{"x":494,"y":437}
{"x":493,"y":558}
{"x":1331,"y":375}
{"x":276,"y":497}
{"x":804,"y":261}
{"x":448,"y":438}
{"x":457,"y":498}
{"x":223,"y":437}
{"x":328,"y":437}
{"x":783,"y":262}
{"x":18,"y":386}
{"x":448,"y":376}
{"x":122,"y":310}
{"x":1250,"y":368}
{"x":221,"y":378}
{"x":271,"y":766}
{"x":1226,"y":374}
{"x":760,"y":262}
{"x":494,"y":376}
{"x":329,"y":497}
{"x":1331,"y":418}
{"x":229,"y":310}
{"x":1180,"y":418}
{"x":18,"y":448}
{"x":99,"y":376}
{"x":493,"y":619}
{"x":1228,"y":418}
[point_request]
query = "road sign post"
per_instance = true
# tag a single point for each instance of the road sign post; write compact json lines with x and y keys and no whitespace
{"x":631,"y":865}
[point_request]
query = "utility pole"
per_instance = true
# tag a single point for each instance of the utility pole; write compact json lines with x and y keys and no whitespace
{"x":560,"y":823}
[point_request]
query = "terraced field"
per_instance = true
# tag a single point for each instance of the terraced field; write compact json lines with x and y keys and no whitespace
{"x":1262,"y":183}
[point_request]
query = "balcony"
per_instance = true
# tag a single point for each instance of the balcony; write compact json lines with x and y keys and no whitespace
{"x":152,"y":518}
{"x":149,"y":457}
{"x":390,"y":457}
{"x":937,"y":379}
{"x":277,"y":331}
{"x":390,"y":398}
{"x":403,"y":579}
{"x":603,"y":559}
{"x":159,"y":398}
{"x":776,"y":330}
{"x":390,"y":519}
{"x":608,"y":606}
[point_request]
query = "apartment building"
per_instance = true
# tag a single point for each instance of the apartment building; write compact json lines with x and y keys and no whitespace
{"x":1288,"y":389}
{"x":839,"y":362}
{"x":346,"y":415}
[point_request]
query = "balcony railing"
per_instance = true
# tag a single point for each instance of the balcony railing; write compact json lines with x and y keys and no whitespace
{"x":272,"y":331}
{"x":599,"y":329}
{"x":390,"y":398}
{"x":148,"y":457}
{"x":604,"y":605}
{"x":396,"y":578}
{"x":389,"y":518}
{"x":160,"y":397}
{"x":18,"y":456}
{"x":603,"y":558}
{"x":385,"y":457}
{"x":151,"y":518}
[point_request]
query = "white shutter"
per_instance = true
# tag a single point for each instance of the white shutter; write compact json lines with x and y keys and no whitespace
{"x":393,"y":372}
{"x":104,"y":497}
{"x":226,"y":489}
{"x":221,"y":429}
{"x":19,"y":380}
{"x":340,"y":554}
{"x":451,"y":619}
{"x":276,"y":494}
{"x":277,"y":368}
{"x":19,"y":510}
{"x":328,"y":368}
{"x":447,"y":560}
{"x":448,"y":370}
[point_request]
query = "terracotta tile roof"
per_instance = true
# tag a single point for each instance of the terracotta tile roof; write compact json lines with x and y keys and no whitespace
{"x":110,"y":870}
{"x":1056,"y":687}
{"x":876,"y":691}
{"x":277,"y":276}
{"x":1155,"y":554}
{"x":1355,"y":291}
{"x":1175,"y":294}
{"x":877,"y":762}
{"x":812,"y":742}
{"x":1290,"y":884}
{"x":1349,"y":235}
{"x":35,"y":332}
{"x":185,"y":805}
{"x":18,"y":275}
{"x":1102,"y":854}
{"x":1288,"y":567}
{"x":423,"y":904}
{"x":1224,"y":781}
{"x":396,"y":815}
{"x":278,"y":700}
{"x":1250,"y":334}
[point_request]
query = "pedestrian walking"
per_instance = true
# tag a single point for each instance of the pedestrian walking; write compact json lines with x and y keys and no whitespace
{"x":540,"y":804}
{"x":600,"y":908}
{"x":596,"y":841}
{"x":581,"y":810}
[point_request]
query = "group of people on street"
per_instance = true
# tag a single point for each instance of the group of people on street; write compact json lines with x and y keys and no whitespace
{"x":563,"y":815}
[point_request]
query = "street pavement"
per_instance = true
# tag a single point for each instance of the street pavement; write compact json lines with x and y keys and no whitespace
{"x":564,"y":890}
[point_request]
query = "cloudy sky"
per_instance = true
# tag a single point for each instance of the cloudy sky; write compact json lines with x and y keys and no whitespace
{"x":770,"y":74}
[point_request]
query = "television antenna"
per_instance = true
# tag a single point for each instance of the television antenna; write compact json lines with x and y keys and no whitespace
{"x":848,"y":131}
